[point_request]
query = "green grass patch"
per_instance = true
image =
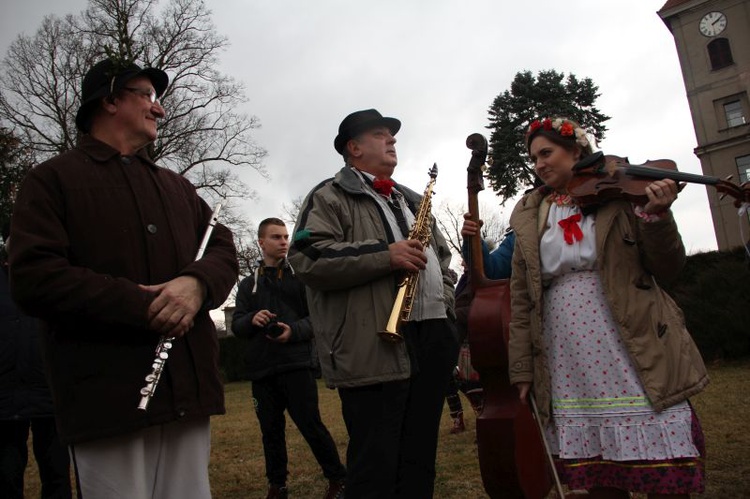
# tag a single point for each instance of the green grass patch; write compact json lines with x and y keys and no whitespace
{"x":237,"y":468}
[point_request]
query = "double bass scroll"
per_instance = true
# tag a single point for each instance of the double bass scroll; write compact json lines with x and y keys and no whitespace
{"x":511,"y":453}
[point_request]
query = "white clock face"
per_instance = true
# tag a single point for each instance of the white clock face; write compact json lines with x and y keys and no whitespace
{"x":713,"y":23}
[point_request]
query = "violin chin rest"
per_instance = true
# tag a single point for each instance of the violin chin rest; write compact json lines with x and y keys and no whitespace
{"x":588,"y":161}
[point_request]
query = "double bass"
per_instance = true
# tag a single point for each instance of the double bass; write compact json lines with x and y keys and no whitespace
{"x":512,"y":457}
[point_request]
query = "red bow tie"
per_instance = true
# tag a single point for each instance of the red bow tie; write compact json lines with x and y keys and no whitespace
{"x":383,"y":186}
{"x":570,"y":227}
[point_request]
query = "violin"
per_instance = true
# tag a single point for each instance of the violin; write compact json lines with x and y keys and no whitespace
{"x":511,"y":453}
{"x":598,"y":178}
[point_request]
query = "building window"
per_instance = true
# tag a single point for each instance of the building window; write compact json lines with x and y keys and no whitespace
{"x":720,"y":53}
{"x":743,"y":167}
{"x":734,"y":114}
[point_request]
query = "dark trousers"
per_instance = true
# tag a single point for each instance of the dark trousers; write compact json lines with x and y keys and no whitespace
{"x":297,"y":393}
{"x":454,"y":400}
{"x":393,"y":427}
{"x":51,"y":458}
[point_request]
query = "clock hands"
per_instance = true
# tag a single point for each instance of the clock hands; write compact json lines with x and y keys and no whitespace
{"x":712,"y":24}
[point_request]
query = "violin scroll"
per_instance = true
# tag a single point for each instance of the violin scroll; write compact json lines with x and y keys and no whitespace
{"x":740,"y":193}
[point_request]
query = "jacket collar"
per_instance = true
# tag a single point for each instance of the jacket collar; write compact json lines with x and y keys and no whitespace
{"x":261,"y":264}
{"x":350,"y":181}
{"x":102,"y":152}
{"x":261,"y":267}
{"x":530,"y":201}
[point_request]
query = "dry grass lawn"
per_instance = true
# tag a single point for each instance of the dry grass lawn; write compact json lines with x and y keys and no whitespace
{"x":237,"y":469}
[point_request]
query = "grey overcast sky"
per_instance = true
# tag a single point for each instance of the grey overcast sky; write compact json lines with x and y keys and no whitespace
{"x":437,"y":65}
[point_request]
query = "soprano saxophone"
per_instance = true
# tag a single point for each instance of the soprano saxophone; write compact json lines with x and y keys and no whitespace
{"x":407,"y":286}
{"x":165,"y":343}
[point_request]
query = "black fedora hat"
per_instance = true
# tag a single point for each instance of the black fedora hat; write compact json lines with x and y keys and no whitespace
{"x":361,"y":121}
{"x":108,"y":77}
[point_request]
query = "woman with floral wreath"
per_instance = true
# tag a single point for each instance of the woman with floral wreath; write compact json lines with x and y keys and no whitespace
{"x":593,"y":336}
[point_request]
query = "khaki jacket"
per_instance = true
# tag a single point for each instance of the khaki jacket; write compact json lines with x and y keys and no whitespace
{"x":340,"y":252}
{"x":633,"y":256}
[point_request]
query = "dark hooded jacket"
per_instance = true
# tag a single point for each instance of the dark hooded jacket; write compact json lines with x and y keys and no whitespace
{"x":24,"y":392}
{"x":277,"y":290}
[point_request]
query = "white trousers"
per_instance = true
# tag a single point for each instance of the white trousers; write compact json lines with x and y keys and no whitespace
{"x":168,"y":461}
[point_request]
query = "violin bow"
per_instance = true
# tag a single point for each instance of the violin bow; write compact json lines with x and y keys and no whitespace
{"x":547,"y":452}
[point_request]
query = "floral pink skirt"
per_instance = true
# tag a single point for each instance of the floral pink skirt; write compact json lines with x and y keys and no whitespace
{"x":604,"y":431}
{"x":668,"y":476}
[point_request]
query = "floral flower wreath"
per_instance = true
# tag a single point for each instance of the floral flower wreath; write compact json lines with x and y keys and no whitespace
{"x":565,"y":128}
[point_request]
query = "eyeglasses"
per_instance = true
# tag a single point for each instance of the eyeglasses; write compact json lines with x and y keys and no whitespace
{"x":150,"y":93}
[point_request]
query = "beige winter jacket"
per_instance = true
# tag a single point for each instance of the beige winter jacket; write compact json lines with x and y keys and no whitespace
{"x":633,"y":256}
{"x":340,"y":252}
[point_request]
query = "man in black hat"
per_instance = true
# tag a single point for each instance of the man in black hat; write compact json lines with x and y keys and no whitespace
{"x":351,"y":248}
{"x":104,"y":245}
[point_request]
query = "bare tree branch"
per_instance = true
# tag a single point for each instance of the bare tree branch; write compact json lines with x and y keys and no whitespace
{"x":450,"y":219}
{"x":291,"y":211}
{"x":203,"y":136}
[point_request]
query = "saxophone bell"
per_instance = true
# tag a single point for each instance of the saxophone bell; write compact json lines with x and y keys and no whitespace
{"x":391,"y":336}
{"x":391,"y":331}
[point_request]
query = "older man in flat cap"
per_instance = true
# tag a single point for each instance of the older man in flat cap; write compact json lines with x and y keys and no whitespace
{"x":351,"y":247}
{"x":104,"y":245}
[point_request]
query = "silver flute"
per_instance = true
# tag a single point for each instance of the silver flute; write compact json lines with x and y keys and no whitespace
{"x":162,"y":349}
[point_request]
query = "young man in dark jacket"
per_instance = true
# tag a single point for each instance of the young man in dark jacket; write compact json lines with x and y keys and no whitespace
{"x":271,"y":311}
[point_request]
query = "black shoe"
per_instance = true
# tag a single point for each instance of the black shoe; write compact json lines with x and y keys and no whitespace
{"x":458,"y":424}
{"x":335,"y":489}
{"x":276,"y":492}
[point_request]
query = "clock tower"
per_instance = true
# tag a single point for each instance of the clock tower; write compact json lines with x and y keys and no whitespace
{"x":713,"y":46}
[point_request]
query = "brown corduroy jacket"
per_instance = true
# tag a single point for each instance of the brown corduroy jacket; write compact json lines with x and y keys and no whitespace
{"x":89,"y":226}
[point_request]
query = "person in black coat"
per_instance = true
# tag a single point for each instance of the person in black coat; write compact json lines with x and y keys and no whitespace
{"x":271,"y":313}
{"x":26,"y":403}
